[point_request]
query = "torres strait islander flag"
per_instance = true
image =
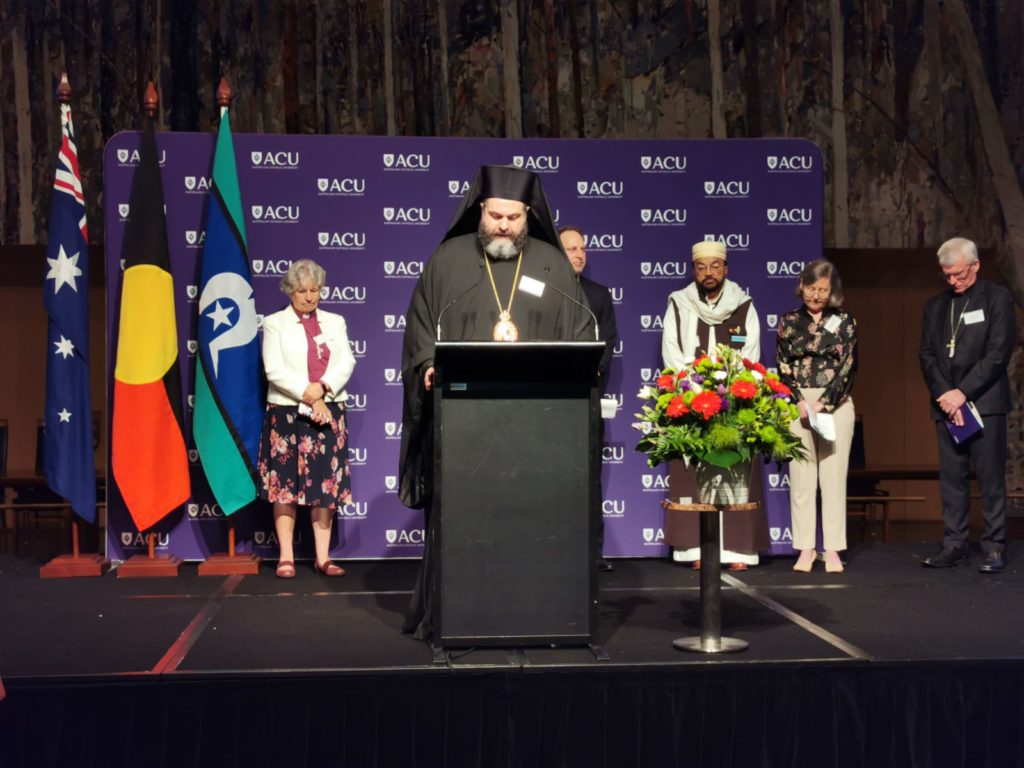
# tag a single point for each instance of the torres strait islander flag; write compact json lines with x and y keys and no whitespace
{"x":67,"y":443}
{"x":228,"y":416}
{"x":148,"y":454}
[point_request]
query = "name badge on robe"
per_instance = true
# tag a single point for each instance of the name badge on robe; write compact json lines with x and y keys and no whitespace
{"x":531,"y":286}
{"x":832,"y":324}
{"x":738,"y":339}
{"x":975,"y":316}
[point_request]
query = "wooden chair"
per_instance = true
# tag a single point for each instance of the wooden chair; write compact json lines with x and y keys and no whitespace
{"x":863,"y":498}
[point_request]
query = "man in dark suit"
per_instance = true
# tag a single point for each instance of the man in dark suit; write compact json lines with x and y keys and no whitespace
{"x":600,"y":301}
{"x":967,"y":337}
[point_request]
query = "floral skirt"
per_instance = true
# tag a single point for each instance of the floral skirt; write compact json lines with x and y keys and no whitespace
{"x":302,"y":462}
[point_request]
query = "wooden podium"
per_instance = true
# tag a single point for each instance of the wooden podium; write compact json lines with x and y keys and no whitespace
{"x":710,"y":639}
{"x":516,"y":493}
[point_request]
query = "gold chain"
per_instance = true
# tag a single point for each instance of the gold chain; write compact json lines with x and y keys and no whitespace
{"x":504,"y":314}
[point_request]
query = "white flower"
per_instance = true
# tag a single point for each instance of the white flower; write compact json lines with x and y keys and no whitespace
{"x":757,"y":375}
{"x":696,"y":388}
{"x":719,"y":375}
{"x":645,"y":393}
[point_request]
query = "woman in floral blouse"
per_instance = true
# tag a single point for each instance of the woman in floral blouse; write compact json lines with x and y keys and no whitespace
{"x":816,"y":357}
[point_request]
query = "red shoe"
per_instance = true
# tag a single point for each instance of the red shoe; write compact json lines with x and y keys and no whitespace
{"x":328,"y":569}
{"x":738,"y":566}
{"x":285,"y":569}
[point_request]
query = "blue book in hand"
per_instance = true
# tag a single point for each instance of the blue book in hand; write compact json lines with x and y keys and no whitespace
{"x":972,"y":424}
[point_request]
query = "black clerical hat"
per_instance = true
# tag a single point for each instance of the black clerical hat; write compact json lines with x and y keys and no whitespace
{"x":508,"y":183}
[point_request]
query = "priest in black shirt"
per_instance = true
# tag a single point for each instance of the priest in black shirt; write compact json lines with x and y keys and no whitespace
{"x":967,"y":336}
{"x":485,"y":282}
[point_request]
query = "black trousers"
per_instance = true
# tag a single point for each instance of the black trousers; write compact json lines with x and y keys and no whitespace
{"x":988,"y":452}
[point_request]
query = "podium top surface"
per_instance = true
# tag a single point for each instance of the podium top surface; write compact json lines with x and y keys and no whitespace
{"x":512,"y":345}
{"x":671,"y":506}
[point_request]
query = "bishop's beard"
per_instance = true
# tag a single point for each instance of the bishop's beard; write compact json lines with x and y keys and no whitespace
{"x":501,"y":249}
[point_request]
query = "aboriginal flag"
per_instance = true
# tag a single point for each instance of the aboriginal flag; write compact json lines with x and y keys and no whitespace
{"x":148,"y":453}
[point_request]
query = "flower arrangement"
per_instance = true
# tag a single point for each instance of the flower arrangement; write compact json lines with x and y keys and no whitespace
{"x":721,"y":410}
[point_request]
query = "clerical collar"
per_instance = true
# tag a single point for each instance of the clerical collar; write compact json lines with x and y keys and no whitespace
{"x":303,"y":315}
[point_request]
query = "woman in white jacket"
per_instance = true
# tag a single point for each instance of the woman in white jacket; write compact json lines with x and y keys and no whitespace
{"x":304,"y":449}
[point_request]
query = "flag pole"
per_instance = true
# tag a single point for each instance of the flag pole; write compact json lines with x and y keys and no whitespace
{"x":149,"y":565}
{"x":74,"y":565}
{"x":230,"y":564}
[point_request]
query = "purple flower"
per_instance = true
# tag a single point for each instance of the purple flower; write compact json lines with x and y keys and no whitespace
{"x":721,"y":390}
{"x":725,"y":404}
{"x":697,"y":378}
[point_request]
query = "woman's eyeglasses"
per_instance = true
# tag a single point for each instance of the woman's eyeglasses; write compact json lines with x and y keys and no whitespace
{"x":821,"y":293}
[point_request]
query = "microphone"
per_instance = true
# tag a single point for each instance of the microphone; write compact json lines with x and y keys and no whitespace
{"x":453,"y":301}
{"x":559,"y":291}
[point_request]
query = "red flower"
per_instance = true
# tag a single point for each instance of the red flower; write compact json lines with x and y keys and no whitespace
{"x":778,"y":387}
{"x":707,"y":404}
{"x":752,"y":366}
{"x":681,"y":375}
{"x":676,"y":407}
{"x":699,"y":360}
{"x":744,"y":390}
{"x":666,"y":382}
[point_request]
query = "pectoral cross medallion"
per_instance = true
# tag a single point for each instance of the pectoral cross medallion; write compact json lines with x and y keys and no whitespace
{"x":505,"y":330}
{"x":951,"y":346}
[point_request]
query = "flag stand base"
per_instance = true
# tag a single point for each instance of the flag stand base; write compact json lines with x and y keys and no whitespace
{"x":70,"y":566}
{"x":230,"y":565}
{"x":144,"y":567}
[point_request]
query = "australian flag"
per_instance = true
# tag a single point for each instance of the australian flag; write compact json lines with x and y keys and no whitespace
{"x":68,"y":448}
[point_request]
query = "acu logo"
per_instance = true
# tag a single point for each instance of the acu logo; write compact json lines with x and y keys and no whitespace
{"x":773,"y":320}
{"x":787,"y":268}
{"x":355,"y":402}
{"x":735,"y":241}
{"x":275,"y":212}
{"x":603,"y":242}
{"x":129,"y":539}
{"x":131,"y":156}
{"x":205,"y":511}
{"x":341,"y":186}
{"x":394,"y":322}
{"x":668,"y":163}
{"x":357,"y":455}
{"x":198,"y":184}
{"x":262,"y":159}
{"x":776,"y":480}
{"x":456,"y":187}
{"x":358,"y":346}
{"x":655,"y":482}
{"x":536,"y":162}
{"x":407,"y":162}
{"x":613,"y":454}
{"x":780,"y":534}
{"x":651,"y":322}
{"x":271,"y":266}
{"x":790,"y":162}
{"x":192,"y":237}
{"x":392,"y":429}
{"x":727,"y":188}
{"x":790,"y":215}
{"x":654,"y":535}
{"x":392,"y":376}
{"x":353,"y":509}
{"x":403,"y":268}
{"x":616,"y":507}
{"x":341,"y":239}
{"x":599,"y":188}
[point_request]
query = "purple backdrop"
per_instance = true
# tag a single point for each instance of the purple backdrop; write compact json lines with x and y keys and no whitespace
{"x":371,"y":210}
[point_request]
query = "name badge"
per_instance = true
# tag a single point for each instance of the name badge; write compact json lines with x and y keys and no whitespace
{"x":320,"y":338}
{"x":975,"y":316}
{"x":738,"y":339}
{"x":832,"y":324}
{"x":531,"y":286}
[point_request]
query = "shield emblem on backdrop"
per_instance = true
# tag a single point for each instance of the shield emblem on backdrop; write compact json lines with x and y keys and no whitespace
{"x":259,"y":321}
{"x":321,"y":184}
{"x":193,"y":510}
{"x":389,"y":159}
{"x":126,"y":538}
{"x":324,"y":293}
{"x":389,"y":267}
{"x":391,"y":482}
{"x":517,"y":161}
{"x":260,"y":537}
{"x":390,"y":428}
{"x":122,"y":209}
{"x":122,"y":155}
{"x":190,"y":182}
{"x":389,"y":214}
{"x":709,"y":187}
{"x":193,"y":455}
{"x":775,"y":533}
{"x":645,"y":214}
{"x":256,"y":157}
{"x":645,"y":267}
{"x":773,"y":480}
{"x":389,"y":374}
{"x":648,"y":481}
{"x":257,"y":266}
{"x":773,"y":162}
{"x":645,"y":321}
{"x":257,"y":211}
{"x":122,"y":265}
{"x":453,"y":186}
{"x":581,"y":187}
{"x":645,"y":162}
{"x":192,"y":291}
{"x":773,"y":320}
{"x":192,"y":345}
{"x":648,"y":534}
{"x":389,"y":321}
{"x":773,"y":214}
{"x":323,"y":237}
{"x":645,"y":374}
{"x":191,"y":236}
{"x":391,"y":535}
{"x":191,"y":401}
{"x":773,"y":267}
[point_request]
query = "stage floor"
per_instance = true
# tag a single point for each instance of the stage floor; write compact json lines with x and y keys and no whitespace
{"x":885,"y":608}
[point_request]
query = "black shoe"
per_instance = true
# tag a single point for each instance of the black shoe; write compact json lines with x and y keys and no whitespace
{"x":949,"y":557}
{"x":605,"y":566}
{"x":993,"y":563}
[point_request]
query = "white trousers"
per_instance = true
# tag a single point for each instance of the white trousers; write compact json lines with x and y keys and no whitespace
{"x":826,"y":466}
